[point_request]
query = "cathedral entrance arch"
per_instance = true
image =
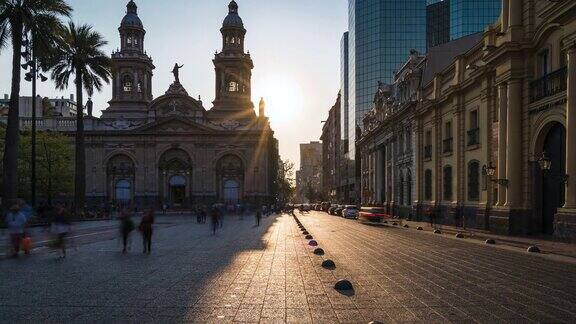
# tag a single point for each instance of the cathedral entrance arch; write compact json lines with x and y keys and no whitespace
{"x":120,"y":179}
{"x":549,"y":184}
{"x":230,"y":175}
{"x":175,"y":178}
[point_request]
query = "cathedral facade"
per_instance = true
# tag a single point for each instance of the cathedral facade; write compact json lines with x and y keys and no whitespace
{"x":171,"y":149}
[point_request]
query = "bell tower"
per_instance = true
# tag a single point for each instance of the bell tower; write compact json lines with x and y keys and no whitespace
{"x":131,"y":70}
{"x":233,"y":70}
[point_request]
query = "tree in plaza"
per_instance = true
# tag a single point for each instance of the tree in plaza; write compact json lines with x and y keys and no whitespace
{"x":17,"y":18}
{"x":80,"y":54}
{"x":54,"y":164}
{"x":312,"y":194}
{"x":285,"y":182}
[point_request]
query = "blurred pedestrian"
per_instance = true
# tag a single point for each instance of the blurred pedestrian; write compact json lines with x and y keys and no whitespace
{"x":60,"y":227}
{"x":146,"y":230}
{"x":258,"y":217}
{"x":214,"y":216}
{"x":16,"y":222}
{"x":126,"y":227}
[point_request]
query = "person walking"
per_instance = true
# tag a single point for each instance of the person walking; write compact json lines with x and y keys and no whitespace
{"x":126,"y":227}
{"x":214,"y":220}
{"x":60,"y":228}
{"x":146,"y":230}
{"x":258,"y":217}
{"x":16,"y":221}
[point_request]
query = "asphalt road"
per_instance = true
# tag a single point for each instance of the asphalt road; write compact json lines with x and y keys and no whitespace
{"x":269,"y":274}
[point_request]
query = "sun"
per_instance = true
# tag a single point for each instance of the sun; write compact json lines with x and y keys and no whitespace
{"x":283,"y":96}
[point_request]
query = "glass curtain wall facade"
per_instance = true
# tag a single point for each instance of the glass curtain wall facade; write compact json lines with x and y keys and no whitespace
{"x":471,"y":16}
{"x":437,"y":23}
{"x":344,"y":166}
{"x":381,"y":35}
{"x":448,"y":20}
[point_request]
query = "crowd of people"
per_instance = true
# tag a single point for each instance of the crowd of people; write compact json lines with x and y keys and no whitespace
{"x":58,"y":222}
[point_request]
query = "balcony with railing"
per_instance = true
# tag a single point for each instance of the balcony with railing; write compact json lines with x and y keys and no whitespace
{"x":473,"y":137}
{"x":548,"y":85}
{"x":428,"y":152}
{"x":447,"y":146}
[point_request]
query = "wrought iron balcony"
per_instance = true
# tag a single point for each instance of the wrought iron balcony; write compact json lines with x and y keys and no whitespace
{"x":548,"y":85}
{"x":447,"y":145}
{"x":474,"y":136}
{"x":428,"y":151}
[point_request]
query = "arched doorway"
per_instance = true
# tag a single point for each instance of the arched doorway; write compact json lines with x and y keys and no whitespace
{"x":177,"y":190}
{"x":554,"y":146}
{"x":175,"y":184}
{"x":230,"y":173}
{"x":120,"y":179}
{"x":231,"y":192}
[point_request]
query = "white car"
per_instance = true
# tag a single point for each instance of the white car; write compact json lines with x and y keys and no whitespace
{"x":350,"y":211}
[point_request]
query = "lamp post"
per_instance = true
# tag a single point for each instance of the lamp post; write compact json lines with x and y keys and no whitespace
{"x":545,"y":164}
{"x":32,"y":76}
{"x":490,"y":170}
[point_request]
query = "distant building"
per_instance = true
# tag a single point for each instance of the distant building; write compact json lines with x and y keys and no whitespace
{"x":437,"y":23}
{"x":331,"y":154}
{"x":45,"y":107}
{"x":309,"y":177}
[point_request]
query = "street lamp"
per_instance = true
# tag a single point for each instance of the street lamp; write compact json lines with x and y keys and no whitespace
{"x":32,"y":76}
{"x":490,"y":171}
{"x":545,"y":164}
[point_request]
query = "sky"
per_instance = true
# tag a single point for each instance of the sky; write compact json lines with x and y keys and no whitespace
{"x":295,"y":45}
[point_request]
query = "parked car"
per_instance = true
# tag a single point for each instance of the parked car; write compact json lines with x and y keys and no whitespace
{"x":338,"y":210}
{"x":331,"y":209}
{"x":370,"y":214}
{"x":350,"y":211}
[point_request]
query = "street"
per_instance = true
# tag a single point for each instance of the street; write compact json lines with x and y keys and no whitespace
{"x":269,"y":274}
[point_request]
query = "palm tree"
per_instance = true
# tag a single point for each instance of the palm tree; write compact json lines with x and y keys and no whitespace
{"x":81,"y":55}
{"x":18,"y":17}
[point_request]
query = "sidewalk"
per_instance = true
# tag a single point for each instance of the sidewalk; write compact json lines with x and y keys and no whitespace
{"x":546,"y":245}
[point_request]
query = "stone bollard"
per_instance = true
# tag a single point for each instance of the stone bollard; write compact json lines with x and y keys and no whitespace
{"x":318,"y":251}
{"x":308,"y":237}
{"x":459,"y":235}
{"x":343,"y":284}
{"x":313,"y":243}
{"x":328,"y":264}
{"x":490,"y":241}
{"x":533,"y":249}
{"x":437,"y":231}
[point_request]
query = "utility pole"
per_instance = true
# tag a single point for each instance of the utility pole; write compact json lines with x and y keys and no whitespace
{"x":32,"y":76}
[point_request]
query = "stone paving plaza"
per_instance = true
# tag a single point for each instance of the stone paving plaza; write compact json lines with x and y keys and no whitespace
{"x":269,"y":274}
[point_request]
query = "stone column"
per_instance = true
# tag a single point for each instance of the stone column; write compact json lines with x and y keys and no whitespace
{"x":514,"y":144}
{"x":515,"y":13}
{"x":379,"y":175}
{"x":502,"y":134}
{"x":571,"y":131}
{"x":504,"y":15}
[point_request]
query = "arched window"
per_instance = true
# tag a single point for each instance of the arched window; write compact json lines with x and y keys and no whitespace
{"x":233,"y":40}
{"x":127,"y":83}
{"x":139,"y":87}
{"x":447,"y":183}
{"x":227,"y":40}
{"x":239,"y":41}
{"x":129,"y":40}
{"x":233,"y":86}
{"x":473,"y":181}
{"x":428,"y":184}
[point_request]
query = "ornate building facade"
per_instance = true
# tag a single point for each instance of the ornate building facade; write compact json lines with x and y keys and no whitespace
{"x":386,"y":146}
{"x":331,"y":154}
{"x":495,"y":145}
{"x":171,"y":149}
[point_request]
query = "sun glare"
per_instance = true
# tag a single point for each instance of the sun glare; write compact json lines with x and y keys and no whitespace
{"x":283,"y":96}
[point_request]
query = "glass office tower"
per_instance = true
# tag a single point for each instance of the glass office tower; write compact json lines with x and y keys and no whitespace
{"x":437,"y":23}
{"x":343,"y":191}
{"x":464,"y":17}
{"x":381,"y":35}
{"x":471,"y":16}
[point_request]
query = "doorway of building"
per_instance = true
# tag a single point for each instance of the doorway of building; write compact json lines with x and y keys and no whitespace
{"x":123,"y":191}
{"x":552,"y":184}
{"x":177,"y":190}
{"x":231,"y":192}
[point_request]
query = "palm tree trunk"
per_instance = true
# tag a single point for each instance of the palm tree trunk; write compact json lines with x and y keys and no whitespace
{"x":80,"y":173}
{"x":10,"y":167}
